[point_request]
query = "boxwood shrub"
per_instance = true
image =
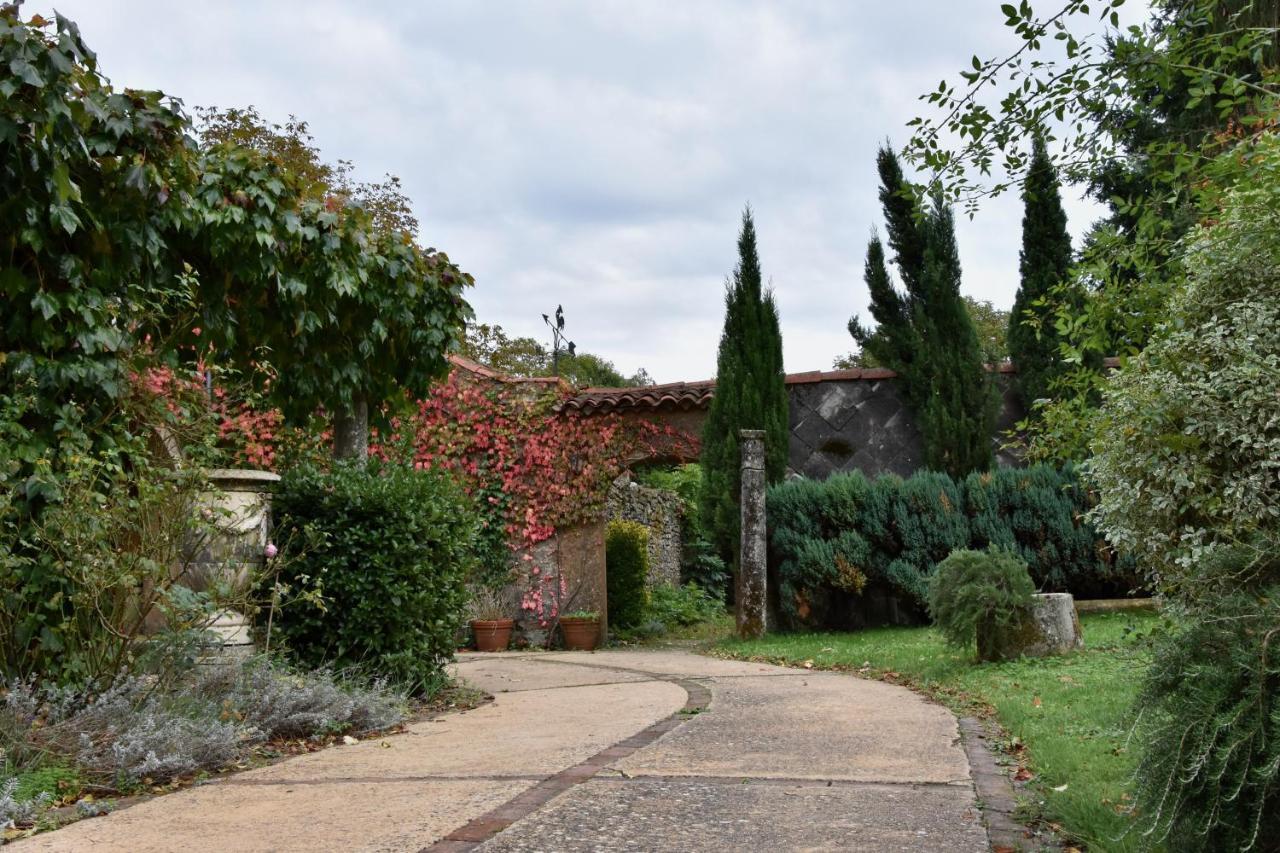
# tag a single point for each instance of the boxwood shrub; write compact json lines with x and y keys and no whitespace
{"x":626,"y":554}
{"x":388,"y":549}
{"x":850,"y":551}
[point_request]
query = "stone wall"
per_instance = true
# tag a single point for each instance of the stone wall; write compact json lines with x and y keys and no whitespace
{"x":559,"y":575}
{"x":865,"y":425}
{"x":660,"y":512}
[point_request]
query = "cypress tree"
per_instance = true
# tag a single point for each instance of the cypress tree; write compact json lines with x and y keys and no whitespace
{"x":959,"y":405}
{"x":750,"y":394}
{"x":1044,"y":263}
{"x":925,"y":333}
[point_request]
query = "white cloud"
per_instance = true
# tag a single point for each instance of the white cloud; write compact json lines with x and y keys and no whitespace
{"x":598,"y":154}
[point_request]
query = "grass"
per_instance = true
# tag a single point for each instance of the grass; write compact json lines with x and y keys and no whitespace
{"x":1067,"y":717}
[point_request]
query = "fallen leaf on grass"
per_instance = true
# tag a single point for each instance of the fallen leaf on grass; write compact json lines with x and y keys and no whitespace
{"x":1023,"y":775}
{"x":1061,"y":787}
{"x":1035,"y":701}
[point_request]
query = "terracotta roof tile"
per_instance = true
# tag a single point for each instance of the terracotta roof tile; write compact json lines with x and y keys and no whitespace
{"x":674,"y":396}
{"x":684,"y":396}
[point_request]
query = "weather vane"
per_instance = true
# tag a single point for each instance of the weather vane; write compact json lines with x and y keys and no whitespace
{"x":557,"y":337}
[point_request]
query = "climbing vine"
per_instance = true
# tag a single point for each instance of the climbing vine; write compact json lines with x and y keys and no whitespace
{"x":531,"y":468}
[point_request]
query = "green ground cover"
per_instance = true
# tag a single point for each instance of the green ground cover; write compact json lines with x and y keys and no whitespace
{"x":1067,"y":718}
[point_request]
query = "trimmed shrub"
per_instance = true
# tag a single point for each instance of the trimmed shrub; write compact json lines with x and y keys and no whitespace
{"x":848,"y":538}
{"x":626,"y":554}
{"x":1040,"y":513}
{"x":1209,"y":778}
{"x":848,"y":551}
{"x":976,"y":591}
{"x":388,"y":549}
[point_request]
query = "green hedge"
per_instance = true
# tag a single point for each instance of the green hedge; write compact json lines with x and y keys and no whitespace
{"x":388,"y":550}
{"x":626,"y":555}
{"x":848,"y":550}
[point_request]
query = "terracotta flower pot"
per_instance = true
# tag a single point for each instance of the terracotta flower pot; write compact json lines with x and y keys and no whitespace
{"x":492,"y":635}
{"x":581,"y":634}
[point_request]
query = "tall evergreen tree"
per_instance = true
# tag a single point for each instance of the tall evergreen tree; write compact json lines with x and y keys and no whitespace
{"x":750,"y":393}
{"x":924,"y":332}
{"x":1044,"y":263}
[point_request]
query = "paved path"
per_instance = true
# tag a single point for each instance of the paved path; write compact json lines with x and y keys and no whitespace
{"x":617,"y":750}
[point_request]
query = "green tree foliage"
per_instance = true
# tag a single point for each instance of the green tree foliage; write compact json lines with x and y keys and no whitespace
{"x":1146,"y":116}
{"x":626,"y":554}
{"x":1043,"y":264}
{"x":926,"y":334}
{"x":389,"y":551}
{"x":492,"y":347}
{"x":976,"y":591}
{"x":1189,"y":433}
{"x":317,"y":277}
{"x":94,"y":181}
{"x":127,"y":240}
{"x":989,"y":322}
{"x":750,"y":393}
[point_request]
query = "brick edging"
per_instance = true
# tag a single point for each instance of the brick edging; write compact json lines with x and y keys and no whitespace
{"x":993,"y":788}
{"x":484,"y":827}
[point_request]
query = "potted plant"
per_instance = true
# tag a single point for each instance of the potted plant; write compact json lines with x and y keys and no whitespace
{"x":489,"y":624}
{"x":581,"y":630}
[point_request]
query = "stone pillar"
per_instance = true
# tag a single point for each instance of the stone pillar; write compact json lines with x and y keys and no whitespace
{"x":752,"y":562}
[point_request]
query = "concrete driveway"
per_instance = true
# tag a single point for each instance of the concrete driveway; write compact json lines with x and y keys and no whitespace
{"x":616,"y":750}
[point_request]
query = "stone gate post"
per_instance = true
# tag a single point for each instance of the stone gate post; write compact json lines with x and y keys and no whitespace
{"x":752,"y":563}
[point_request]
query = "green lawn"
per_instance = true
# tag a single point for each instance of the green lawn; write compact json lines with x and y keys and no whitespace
{"x":1067,"y":717}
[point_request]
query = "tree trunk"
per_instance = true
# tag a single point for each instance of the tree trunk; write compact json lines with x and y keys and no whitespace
{"x":351,"y":433}
{"x":1051,"y":628}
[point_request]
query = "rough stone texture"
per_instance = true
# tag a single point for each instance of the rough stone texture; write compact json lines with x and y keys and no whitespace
{"x":240,"y":503}
{"x":659,"y":511}
{"x":865,"y":425}
{"x":753,"y":569}
{"x":840,"y":423}
{"x":732,"y":814}
{"x":822,"y":726}
{"x":1054,"y":628}
{"x":570,"y":575}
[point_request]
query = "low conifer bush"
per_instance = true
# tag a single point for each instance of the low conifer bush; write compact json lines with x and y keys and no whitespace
{"x":976,"y":591}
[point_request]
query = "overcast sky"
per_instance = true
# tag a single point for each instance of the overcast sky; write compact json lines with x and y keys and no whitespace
{"x":598,"y":154}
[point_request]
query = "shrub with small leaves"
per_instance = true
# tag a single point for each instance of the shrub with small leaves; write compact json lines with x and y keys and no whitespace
{"x":389,"y":548}
{"x":15,"y":811}
{"x":690,"y":604}
{"x":979,"y":590}
{"x":626,"y":554}
{"x":279,"y":702}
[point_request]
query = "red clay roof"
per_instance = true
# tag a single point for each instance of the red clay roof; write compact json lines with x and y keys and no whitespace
{"x":685,"y":396}
{"x":674,"y":396}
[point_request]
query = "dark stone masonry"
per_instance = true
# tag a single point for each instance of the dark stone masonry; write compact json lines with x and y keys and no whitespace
{"x":659,"y":511}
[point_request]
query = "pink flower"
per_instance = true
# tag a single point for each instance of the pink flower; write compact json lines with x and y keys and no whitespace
{"x":271,"y":550}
